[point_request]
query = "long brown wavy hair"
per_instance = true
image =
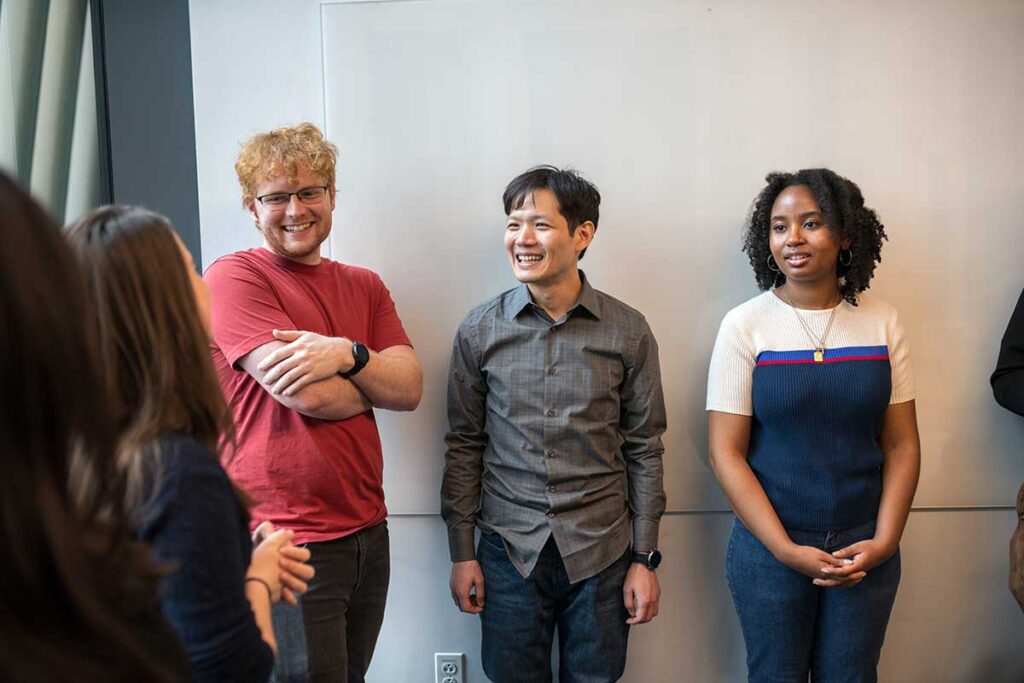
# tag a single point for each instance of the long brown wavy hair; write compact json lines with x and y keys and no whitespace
{"x":153,"y":347}
{"x":74,"y":587}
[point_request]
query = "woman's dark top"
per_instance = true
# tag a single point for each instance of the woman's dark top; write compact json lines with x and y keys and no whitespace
{"x":197,"y":528}
{"x":1008,"y":379}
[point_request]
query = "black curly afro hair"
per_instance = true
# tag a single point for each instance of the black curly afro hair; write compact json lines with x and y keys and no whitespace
{"x":842,"y":204}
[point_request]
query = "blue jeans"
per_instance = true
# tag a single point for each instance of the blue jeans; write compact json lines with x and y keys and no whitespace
{"x":792,"y":627}
{"x":330,"y":636}
{"x":520,"y":615}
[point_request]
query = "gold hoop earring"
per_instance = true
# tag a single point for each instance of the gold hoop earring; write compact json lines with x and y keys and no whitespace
{"x":772,"y":265}
{"x":849,"y":258}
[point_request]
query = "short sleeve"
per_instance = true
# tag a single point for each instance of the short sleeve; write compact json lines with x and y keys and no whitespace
{"x":899,"y":360}
{"x":244,"y":309}
{"x":731,"y":373}
{"x":387,"y":327}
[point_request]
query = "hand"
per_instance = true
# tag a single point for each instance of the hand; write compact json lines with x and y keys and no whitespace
{"x":641,"y":593}
{"x":265,"y":562}
{"x":858,"y":559}
{"x":307,"y":357}
{"x":467,"y":586}
{"x":293,"y":562}
{"x":295,"y":572}
{"x":816,"y":564}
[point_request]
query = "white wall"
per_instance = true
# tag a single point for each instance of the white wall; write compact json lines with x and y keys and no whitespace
{"x":676,"y":110}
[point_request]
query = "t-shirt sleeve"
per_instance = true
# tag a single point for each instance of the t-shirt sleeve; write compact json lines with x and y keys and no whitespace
{"x":899,"y":360}
{"x":244,"y":308}
{"x":731,"y":373}
{"x":387,"y":330}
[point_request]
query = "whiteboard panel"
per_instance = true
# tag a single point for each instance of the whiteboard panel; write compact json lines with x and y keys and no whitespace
{"x":676,"y":110}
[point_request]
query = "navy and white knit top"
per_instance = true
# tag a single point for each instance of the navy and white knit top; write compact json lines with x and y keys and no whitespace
{"x":814,"y":441}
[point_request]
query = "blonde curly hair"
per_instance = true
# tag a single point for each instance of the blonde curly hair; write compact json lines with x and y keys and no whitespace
{"x":284,"y":150}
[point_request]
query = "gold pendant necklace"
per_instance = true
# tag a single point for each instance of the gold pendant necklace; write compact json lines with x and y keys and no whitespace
{"x":816,"y":341}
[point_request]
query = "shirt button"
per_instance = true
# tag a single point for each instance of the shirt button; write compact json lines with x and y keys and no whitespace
{"x":551,"y":453}
{"x":551,"y":489}
{"x":552,"y":371}
{"x":551,"y":514}
{"x":551,"y":412}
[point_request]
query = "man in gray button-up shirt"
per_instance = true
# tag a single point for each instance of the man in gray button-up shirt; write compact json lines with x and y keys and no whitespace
{"x":555,"y":413}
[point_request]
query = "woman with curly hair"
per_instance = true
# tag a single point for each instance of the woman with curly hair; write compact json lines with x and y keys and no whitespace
{"x":813,"y":435}
{"x":152,"y":313}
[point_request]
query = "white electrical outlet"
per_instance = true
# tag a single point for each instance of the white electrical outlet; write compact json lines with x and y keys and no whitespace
{"x":448,"y":667}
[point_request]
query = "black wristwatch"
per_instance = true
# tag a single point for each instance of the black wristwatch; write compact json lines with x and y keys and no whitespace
{"x":361,"y":354}
{"x":651,"y":559}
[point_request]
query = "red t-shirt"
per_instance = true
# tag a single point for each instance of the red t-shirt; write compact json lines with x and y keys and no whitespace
{"x":322,"y":478}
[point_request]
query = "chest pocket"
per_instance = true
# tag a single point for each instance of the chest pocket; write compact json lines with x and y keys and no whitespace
{"x":591,"y":384}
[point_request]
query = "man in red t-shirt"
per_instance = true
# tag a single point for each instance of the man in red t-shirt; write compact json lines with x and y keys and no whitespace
{"x":305,"y":348}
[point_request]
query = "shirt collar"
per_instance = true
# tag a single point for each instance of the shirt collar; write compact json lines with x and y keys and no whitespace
{"x":587,"y":300}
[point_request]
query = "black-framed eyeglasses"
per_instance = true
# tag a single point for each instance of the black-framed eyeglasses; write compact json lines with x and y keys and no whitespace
{"x":307,"y":195}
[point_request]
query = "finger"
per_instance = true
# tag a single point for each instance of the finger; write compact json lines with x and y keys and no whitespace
{"x":629,"y":599}
{"x":850,"y":567}
{"x":287,"y":379}
{"x":465,"y":602}
{"x":279,"y":371}
{"x":288,"y":596}
{"x":850,"y":550}
{"x":293,"y":582}
{"x":827,"y":583}
{"x":280,"y":537}
{"x":831,"y":560}
{"x":287,"y":335}
{"x":296,"y":552}
{"x":276,"y":357}
{"x":298,"y":384}
{"x":300,"y":569}
{"x":282,"y":366}
{"x":480,"y":594}
{"x":642,"y":614}
{"x":841,"y":582}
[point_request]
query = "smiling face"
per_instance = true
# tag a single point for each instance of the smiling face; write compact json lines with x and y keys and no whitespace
{"x":539,"y":246}
{"x":295,"y":230}
{"x":803,"y":245}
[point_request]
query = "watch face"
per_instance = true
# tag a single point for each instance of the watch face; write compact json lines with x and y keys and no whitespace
{"x":655,"y":559}
{"x":361,"y":353}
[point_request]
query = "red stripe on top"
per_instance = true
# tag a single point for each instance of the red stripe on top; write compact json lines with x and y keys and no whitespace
{"x":827,"y":360}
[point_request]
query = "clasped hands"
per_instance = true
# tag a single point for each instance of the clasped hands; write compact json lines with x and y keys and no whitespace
{"x":278,"y":563}
{"x":843,"y":568}
{"x":307,"y":357}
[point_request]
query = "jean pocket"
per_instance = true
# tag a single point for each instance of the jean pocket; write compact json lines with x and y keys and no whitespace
{"x":493,"y":540}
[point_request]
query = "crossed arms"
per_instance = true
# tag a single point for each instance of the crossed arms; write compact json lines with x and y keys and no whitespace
{"x":300,"y":370}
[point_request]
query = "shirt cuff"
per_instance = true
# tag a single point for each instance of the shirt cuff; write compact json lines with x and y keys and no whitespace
{"x":460,"y":544}
{"x":645,"y":534}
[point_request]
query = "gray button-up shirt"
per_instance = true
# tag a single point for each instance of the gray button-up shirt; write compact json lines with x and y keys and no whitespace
{"x":554,"y":430}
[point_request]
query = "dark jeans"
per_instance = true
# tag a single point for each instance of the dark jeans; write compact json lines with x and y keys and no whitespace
{"x":520,"y":615}
{"x":331,"y":635}
{"x":792,"y":627}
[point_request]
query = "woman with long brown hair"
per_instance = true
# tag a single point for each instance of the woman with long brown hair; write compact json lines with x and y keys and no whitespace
{"x":152,"y":315}
{"x":78,"y":597}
